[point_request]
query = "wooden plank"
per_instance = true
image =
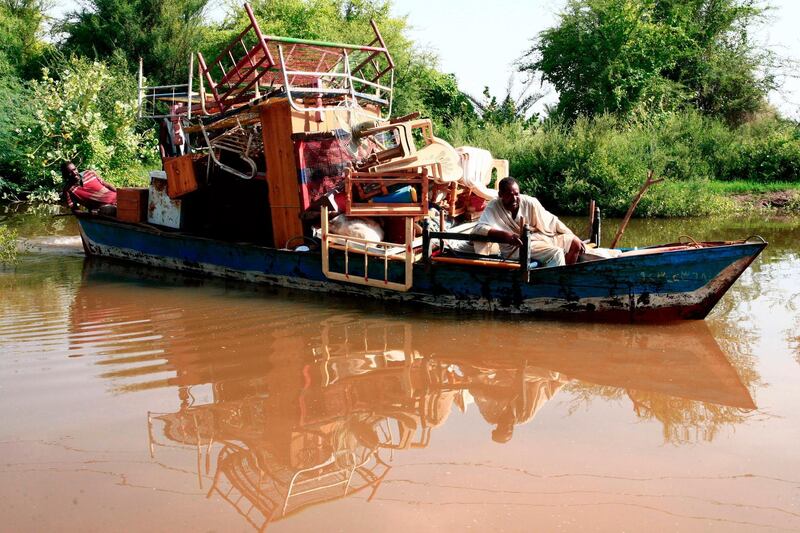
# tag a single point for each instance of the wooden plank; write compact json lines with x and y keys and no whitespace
{"x":388,"y":209}
{"x":476,"y":262}
{"x":284,"y":189}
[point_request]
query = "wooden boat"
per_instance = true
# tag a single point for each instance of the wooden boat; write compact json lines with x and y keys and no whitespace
{"x":682,"y":283}
{"x":258,"y":119}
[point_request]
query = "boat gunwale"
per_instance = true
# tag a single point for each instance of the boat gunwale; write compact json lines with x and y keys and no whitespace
{"x":176,"y":234}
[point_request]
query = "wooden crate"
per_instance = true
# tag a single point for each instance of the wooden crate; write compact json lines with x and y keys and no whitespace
{"x":181,"y":178}
{"x":132,"y":204}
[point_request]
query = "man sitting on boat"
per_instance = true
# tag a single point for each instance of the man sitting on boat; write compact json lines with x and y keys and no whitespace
{"x":552,"y":242}
{"x":88,"y":189}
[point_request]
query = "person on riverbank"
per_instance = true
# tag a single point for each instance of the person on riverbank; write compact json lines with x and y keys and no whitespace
{"x":552,"y":242}
{"x":88,"y":189}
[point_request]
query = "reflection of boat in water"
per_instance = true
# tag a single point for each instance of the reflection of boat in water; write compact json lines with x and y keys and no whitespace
{"x":327,"y":428}
{"x":312,"y":407}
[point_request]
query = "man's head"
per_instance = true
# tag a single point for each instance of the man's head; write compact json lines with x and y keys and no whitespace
{"x":69,"y":172}
{"x":503,"y":432}
{"x":508,"y":191}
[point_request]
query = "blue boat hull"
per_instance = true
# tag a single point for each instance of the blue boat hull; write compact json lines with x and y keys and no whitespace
{"x":684,"y":284}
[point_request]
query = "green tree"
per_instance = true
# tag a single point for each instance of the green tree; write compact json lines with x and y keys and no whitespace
{"x":620,"y":56}
{"x":510,"y":108}
{"x":164,"y":33}
{"x":434,"y":94}
{"x":21,"y":53}
{"x":21,"y":43}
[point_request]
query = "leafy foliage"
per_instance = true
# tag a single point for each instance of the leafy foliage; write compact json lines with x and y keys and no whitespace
{"x":619,"y":56}
{"x":86,"y":113}
{"x":8,"y":245}
{"x":164,"y":33}
{"x":21,"y":46}
{"x":509,"y":108}
{"x":16,"y":115}
{"x":607,"y":159}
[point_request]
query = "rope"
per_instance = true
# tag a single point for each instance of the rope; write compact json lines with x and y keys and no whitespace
{"x":691,"y":239}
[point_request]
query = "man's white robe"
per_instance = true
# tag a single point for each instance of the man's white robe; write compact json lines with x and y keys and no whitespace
{"x":550,"y":239}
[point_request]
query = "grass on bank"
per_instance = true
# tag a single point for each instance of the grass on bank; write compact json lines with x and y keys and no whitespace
{"x":751,"y":187}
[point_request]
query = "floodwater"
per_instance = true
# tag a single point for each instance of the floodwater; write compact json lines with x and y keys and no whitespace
{"x":135,"y":399}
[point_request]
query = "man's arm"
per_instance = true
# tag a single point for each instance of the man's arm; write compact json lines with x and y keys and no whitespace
{"x":487,"y":226}
{"x":105,"y":184}
{"x":71,"y":202}
{"x":506,"y":237}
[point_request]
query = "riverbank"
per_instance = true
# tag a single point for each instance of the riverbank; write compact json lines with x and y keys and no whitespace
{"x":781,"y":197}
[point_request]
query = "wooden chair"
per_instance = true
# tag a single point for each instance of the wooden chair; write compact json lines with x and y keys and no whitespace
{"x":404,"y":138}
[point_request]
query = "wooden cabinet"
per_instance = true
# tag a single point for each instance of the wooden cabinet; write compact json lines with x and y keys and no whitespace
{"x":132,"y":204}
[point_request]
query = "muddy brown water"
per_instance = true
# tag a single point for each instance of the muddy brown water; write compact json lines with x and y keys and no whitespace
{"x":134,"y":399}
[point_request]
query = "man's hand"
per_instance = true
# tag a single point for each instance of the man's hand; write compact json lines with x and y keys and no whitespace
{"x":579,"y":243}
{"x":513,"y":239}
{"x":576,"y":248}
{"x":505,"y":237}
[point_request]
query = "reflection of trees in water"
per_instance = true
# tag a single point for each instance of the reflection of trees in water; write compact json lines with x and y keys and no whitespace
{"x":793,"y":333}
{"x":683,"y":421}
{"x":737,"y":340}
{"x":37,"y":220}
{"x":39,"y":285}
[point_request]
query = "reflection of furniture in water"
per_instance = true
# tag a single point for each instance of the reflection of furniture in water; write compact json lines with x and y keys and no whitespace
{"x":369,"y":367}
{"x":248,"y":473}
{"x":255,"y":483}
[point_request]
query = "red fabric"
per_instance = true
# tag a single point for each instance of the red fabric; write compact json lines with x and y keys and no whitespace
{"x":322,"y":165}
{"x":91,"y":192}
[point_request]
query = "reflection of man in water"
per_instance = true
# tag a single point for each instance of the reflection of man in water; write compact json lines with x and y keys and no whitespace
{"x":508,"y":397}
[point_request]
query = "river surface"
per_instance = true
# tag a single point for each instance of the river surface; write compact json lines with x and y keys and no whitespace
{"x":135,"y":399}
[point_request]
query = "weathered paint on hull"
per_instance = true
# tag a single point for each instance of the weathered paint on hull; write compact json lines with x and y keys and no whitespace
{"x":657,"y":287}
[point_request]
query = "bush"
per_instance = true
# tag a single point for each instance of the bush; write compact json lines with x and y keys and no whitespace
{"x":86,"y":112}
{"x":15,"y":115}
{"x":769,"y":151}
{"x":607,"y":159}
